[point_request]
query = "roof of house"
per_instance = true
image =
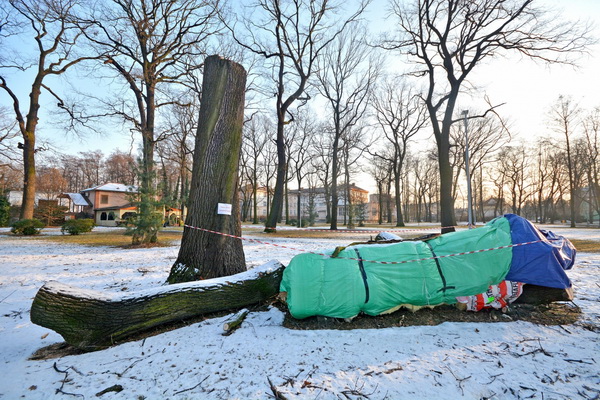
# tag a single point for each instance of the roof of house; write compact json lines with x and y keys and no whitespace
{"x":127,"y":206}
{"x":77,"y":198}
{"x":113,"y":187}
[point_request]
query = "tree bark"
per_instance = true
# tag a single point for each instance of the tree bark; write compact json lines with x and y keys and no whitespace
{"x":215,"y":178}
{"x":90,"y":320}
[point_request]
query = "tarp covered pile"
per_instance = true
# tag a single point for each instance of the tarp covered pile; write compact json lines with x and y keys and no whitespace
{"x":375,"y":278}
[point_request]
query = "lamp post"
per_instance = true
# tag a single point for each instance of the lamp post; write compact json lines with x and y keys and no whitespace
{"x":471,"y":222}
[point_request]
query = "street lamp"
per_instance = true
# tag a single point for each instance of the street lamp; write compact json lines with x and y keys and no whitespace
{"x":471,"y":222}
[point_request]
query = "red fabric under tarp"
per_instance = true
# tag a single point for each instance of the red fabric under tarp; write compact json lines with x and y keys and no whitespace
{"x":497,"y":296}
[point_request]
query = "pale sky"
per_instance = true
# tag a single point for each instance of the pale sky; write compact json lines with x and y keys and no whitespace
{"x":527,"y":88}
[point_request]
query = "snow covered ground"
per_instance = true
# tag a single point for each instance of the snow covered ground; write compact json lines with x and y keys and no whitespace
{"x":509,"y":360}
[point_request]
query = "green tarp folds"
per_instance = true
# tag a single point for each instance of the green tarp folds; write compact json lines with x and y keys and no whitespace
{"x":342,"y":287}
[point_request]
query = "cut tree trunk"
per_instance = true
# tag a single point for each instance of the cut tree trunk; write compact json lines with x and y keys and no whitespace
{"x":91,"y":320}
{"x":534,"y":294}
{"x":235,"y":321}
{"x":205,"y":254}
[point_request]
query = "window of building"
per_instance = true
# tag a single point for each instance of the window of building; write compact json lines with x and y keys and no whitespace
{"x":103,"y":199}
{"x":103,"y":216}
{"x":111,"y":216}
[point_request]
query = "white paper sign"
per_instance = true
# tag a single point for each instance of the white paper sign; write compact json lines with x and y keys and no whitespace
{"x":223,"y":209}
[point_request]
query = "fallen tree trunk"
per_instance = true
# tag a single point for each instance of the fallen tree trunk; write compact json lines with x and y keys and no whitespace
{"x":90,"y":319}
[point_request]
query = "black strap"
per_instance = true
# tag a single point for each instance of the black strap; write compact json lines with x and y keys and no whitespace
{"x":364,"y":275}
{"x":439,"y":267}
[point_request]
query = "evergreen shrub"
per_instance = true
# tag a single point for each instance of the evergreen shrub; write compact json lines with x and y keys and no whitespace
{"x":77,"y":226}
{"x":27,"y":227}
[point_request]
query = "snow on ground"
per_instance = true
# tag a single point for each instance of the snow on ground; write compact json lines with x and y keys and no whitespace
{"x":511,"y":360}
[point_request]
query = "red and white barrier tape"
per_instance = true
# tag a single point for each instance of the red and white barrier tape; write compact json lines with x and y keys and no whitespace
{"x":346,"y":230}
{"x":363,"y":260}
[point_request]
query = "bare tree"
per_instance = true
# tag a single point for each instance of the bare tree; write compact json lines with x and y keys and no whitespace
{"x":541,"y":178}
{"x":54,"y":39}
{"x":292,"y":34}
{"x":91,"y":164}
{"x":50,"y":182}
{"x":8,"y":134}
{"x":591,"y":127}
{"x":447,"y":39}
{"x":119,"y":167}
{"x":400,"y":114}
{"x":255,"y":140}
{"x":321,"y":163}
{"x":352,"y":150}
{"x":300,"y":155}
{"x":379,"y":169}
{"x":564,"y":117}
{"x":553,"y":160}
{"x":148,"y":45}
{"x":424,"y":171}
{"x":178,"y":145}
{"x":347,"y":73}
{"x":84,"y":170}
{"x":513,"y":165}
{"x":269,"y":168}
{"x":485,"y":137}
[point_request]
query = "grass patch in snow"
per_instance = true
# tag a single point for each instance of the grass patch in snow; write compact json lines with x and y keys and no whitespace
{"x":113,"y":237}
{"x":590,"y":246}
{"x":324,"y":233}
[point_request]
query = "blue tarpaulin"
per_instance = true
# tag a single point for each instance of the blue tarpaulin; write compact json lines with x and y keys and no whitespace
{"x":542,"y":263}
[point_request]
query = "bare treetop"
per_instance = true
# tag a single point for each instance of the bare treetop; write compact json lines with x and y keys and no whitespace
{"x":447,"y":39}
{"x":440,"y":32}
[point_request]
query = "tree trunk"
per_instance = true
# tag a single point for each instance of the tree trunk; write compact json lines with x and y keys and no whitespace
{"x":29,"y":167}
{"x":334,"y":189}
{"x":299,"y":214}
{"x":215,"y":179}
{"x":277,"y":202}
{"x":29,"y":176}
{"x":399,"y":216}
{"x":447,"y":217}
{"x":255,"y":195}
{"x":90,"y":320}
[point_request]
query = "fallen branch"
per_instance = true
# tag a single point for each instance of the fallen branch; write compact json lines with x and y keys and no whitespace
{"x":276,"y":393}
{"x":64,"y":380}
{"x":193,"y":387}
{"x":6,"y":297}
{"x":234,"y":322}
{"x":113,"y":388}
{"x":90,"y":319}
{"x":459,"y":380}
{"x":578,"y":361}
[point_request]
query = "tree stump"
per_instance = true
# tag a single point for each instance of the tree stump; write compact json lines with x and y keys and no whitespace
{"x":214,"y":185}
{"x":89,"y":319}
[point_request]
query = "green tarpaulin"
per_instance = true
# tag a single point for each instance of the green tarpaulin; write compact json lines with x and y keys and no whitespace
{"x":342,"y":287}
